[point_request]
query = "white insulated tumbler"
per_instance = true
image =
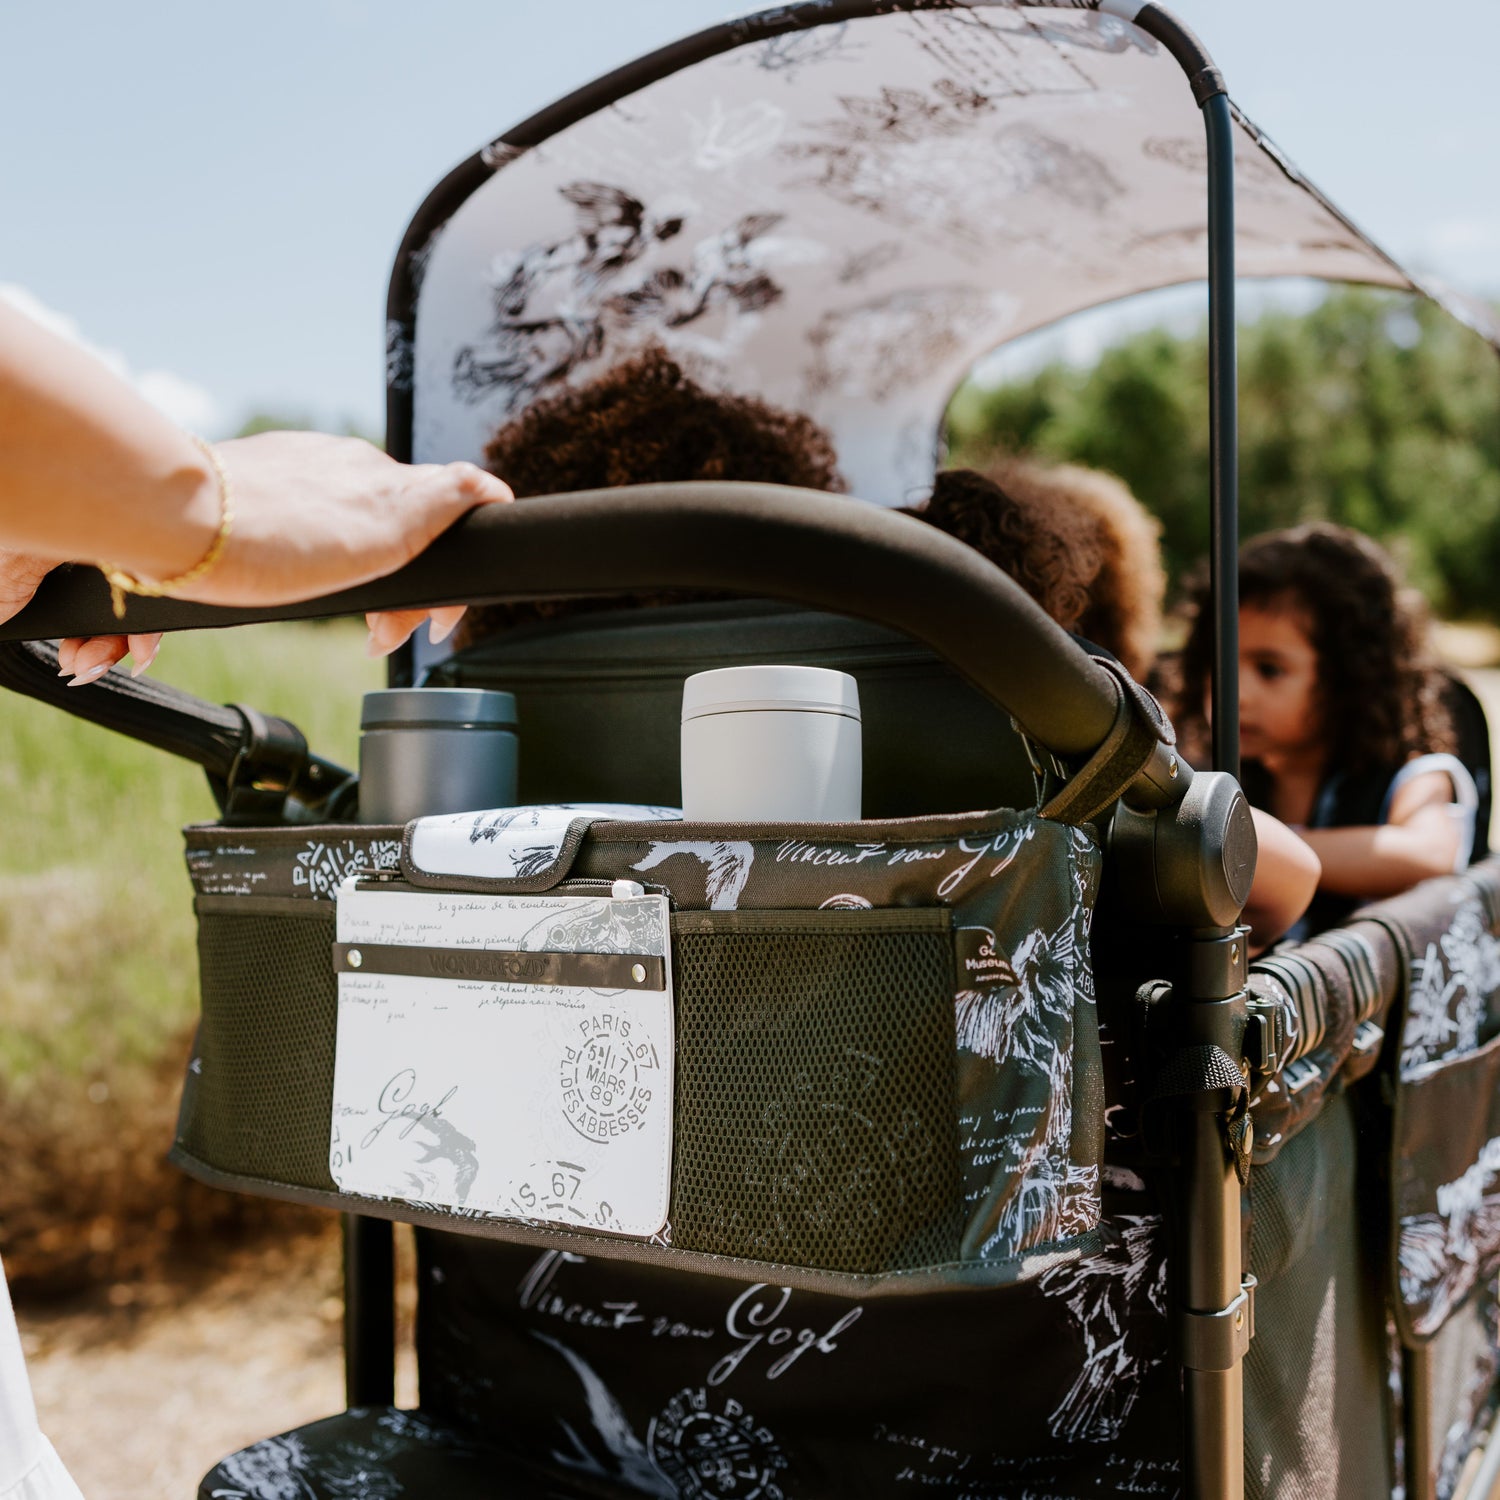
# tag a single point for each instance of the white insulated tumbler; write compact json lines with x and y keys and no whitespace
{"x":771,"y":744}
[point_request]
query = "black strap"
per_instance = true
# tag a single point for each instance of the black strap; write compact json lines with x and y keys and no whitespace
{"x":1195,"y":1073}
{"x":1139,"y":727}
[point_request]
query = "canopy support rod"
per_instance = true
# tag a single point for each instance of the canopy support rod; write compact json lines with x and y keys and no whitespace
{"x":1223,"y":396}
{"x":1207,"y":84}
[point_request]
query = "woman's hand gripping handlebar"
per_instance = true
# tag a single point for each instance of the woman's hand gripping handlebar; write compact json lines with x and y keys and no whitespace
{"x":760,"y":540}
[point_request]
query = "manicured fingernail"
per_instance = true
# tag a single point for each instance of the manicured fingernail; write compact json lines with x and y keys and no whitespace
{"x":90,"y":674}
{"x":374,"y":648}
{"x":437,"y":634}
{"x":142,"y":666}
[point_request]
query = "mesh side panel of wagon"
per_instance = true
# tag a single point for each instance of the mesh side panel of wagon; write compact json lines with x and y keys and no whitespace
{"x":1317,"y":1413}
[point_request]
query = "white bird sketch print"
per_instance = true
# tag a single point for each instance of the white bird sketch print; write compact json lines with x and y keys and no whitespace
{"x":1443,"y":1254}
{"x":1019,"y":1023}
{"x":1108,"y":1296}
{"x":727,"y":865}
{"x":1451,"y":983}
{"x":628,"y":1459}
{"x":285,"y":1468}
{"x":700,"y":1446}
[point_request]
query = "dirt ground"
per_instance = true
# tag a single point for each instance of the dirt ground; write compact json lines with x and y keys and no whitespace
{"x":144,"y":1387}
{"x":141,"y":1399}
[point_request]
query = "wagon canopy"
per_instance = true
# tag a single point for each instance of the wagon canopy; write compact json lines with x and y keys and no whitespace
{"x":840,"y":207}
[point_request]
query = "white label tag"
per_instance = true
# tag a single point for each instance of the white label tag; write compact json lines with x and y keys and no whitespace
{"x":506,"y":1055}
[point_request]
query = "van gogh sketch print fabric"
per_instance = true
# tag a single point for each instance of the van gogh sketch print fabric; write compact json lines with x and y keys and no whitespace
{"x":690,"y":1388}
{"x":563,"y":1377}
{"x":1446,"y":1152}
{"x":1022,"y":894}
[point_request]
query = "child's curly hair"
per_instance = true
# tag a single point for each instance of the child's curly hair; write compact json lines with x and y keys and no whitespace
{"x":1380,"y":690}
{"x":1130,"y":588}
{"x":1053,"y":555}
{"x":645,"y":422}
{"x":1075,"y":539}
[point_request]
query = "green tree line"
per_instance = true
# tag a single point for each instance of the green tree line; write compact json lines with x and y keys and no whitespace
{"x":1373,"y":410}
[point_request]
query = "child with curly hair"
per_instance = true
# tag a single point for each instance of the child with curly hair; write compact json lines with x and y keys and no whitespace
{"x":645,"y":421}
{"x":1343,"y":731}
{"x":1086,"y":550}
{"x":1074,"y":538}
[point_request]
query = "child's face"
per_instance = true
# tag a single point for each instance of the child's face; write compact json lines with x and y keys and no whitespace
{"x":1280,"y":712}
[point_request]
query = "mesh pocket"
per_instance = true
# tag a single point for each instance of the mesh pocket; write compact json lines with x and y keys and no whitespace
{"x":815,"y":1121}
{"x":816,"y":1095}
{"x":259,"y":1097}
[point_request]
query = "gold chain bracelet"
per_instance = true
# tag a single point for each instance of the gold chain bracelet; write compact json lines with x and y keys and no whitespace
{"x":122,"y":583}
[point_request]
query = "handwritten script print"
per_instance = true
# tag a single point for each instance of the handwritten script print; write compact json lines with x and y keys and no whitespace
{"x":533,"y":1095}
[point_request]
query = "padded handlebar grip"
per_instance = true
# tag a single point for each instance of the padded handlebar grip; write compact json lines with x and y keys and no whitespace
{"x":768,"y":541}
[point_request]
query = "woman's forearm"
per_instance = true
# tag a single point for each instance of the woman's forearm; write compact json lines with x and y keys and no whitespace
{"x":91,"y":470}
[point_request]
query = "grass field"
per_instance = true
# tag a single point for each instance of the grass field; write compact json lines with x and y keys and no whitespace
{"x":98,"y":970}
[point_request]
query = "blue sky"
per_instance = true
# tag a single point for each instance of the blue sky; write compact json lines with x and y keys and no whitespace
{"x":212,"y":194}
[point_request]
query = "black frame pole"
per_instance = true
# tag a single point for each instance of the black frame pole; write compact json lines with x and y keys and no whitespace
{"x":369,"y":1311}
{"x":370,"y":1250}
{"x":1207,"y":84}
{"x":1213,"y":1309}
{"x":370,"y":1253}
{"x":1212,"y":1268}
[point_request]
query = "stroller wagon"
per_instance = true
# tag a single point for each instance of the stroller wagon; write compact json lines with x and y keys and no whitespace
{"x":984,"y":1162}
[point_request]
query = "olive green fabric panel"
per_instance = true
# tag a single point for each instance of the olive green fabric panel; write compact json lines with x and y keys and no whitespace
{"x":815,"y":1117}
{"x":258,"y":1100}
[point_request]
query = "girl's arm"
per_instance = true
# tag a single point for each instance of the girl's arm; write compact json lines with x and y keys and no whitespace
{"x":1286,"y":879}
{"x":1421,"y":839}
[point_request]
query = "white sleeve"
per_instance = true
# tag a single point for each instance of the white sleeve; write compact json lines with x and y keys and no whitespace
{"x":1464,"y":807}
{"x":29,"y":1468}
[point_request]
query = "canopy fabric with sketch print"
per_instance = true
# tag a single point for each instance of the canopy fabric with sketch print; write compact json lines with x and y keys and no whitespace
{"x":841,"y":217}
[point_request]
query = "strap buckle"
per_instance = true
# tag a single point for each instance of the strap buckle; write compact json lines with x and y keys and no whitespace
{"x":1219,"y":1340}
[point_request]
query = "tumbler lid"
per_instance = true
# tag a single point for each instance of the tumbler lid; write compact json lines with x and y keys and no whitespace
{"x":438,"y":708}
{"x":729,"y":690}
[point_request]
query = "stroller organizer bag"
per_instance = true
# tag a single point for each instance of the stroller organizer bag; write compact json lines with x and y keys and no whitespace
{"x":719,"y":1044}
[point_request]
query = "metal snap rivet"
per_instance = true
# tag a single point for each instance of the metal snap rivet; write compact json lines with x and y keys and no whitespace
{"x":1172,"y":769}
{"x":1234,"y":953}
{"x":356,"y":958}
{"x":1239,"y":1318}
{"x":638,"y":973}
